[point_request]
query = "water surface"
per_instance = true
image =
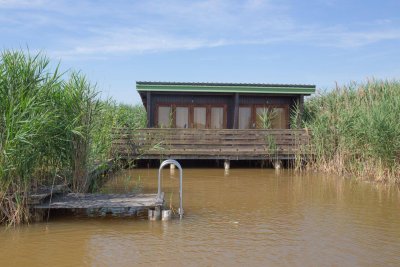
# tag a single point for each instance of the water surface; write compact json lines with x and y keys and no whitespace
{"x":252,"y":217}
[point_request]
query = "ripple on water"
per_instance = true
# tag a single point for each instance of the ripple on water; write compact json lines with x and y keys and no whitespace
{"x":250,"y":217}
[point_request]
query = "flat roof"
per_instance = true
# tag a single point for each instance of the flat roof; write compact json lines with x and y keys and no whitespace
{"x":252,"y":88}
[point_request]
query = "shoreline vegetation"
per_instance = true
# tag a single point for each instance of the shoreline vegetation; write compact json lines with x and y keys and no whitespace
{"x":356,"y":130}
{"x":54,"y":129}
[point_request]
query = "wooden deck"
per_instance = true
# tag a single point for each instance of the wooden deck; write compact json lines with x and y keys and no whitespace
{"x":231,"y":144}
{"x":93,"y":201}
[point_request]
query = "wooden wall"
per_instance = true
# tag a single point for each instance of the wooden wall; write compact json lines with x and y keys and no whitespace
{"x":158,"y":98}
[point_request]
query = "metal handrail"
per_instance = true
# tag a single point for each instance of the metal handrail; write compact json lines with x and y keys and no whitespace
{"x":163,"y":164}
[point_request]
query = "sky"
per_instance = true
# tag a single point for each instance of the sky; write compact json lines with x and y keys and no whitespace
{"x":116,"y":43}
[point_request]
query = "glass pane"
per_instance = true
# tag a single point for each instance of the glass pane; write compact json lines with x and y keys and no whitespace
{"x":164,"y":117}
{"x":199,"y":117}
{"x":244,"y":117}
{"x":263,"y":118}
{"x":217,"y":118}
{"x":279,"y":118}
{"x":182,"y":117}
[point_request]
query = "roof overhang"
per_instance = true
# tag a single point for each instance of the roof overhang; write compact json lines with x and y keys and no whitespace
{"x":278,"y":89}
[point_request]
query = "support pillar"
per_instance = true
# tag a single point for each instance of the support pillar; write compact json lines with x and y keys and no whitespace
{"x":155,"y":214}
{"x":301,"y":110}
{"x":148,"y":108}
{"x":236,"y":112}
{"x":263,"y":164}
{"x":277,"y":164}
{"x":227,"y":164}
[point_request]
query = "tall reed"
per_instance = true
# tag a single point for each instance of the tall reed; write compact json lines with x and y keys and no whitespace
{"x":356,"y":130}
{"x":53,"y":127}
{"x":113,"y":115}
{"x":25,"y":145}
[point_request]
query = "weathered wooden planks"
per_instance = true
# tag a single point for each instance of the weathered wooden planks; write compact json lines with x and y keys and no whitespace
{"x":45,"y":192}
{"x":91,"y":201}
{"x":210,"y":143}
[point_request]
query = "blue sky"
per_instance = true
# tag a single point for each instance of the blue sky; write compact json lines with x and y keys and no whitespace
{"x":116,"y":43}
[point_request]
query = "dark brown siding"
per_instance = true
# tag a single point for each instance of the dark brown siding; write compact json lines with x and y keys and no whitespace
{"x":215,"y":99}
{"x":265,"y":100}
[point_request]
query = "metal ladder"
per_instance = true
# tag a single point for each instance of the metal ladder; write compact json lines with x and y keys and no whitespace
{"x":163,"y":164}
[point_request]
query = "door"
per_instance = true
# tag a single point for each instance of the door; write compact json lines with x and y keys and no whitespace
{"x":217,"y":118}
{"x":279,"y":119}
{"x":245,"y":118}
{"x":182,"y":117}
{"x":164,"y":117}
{"x":199,"y":117}
{"x":272,"y":117}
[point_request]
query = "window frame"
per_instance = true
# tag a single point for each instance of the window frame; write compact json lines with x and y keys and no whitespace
{"x":191,"y":107}
{"x":270,"y":107}
{"x":156,"y":119}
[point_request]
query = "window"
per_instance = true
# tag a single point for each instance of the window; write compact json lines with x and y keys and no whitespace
{"x":182,"y":117}
{"x":279,"y":118}
{"x":271,"y":117}
{"x":199,"y":117}
{"x":217,"y":118}
{"x":244,"y":117}
{"x":164,"y":117}
{"x":263,"y":118}
{"x":190,"y":116}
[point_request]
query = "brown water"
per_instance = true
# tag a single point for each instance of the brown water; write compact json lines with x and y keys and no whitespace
{"x":249,"y":217}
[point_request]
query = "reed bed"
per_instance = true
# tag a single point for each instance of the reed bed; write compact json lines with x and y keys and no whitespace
{"x":53,"y":128}
{"x":356,"y":130}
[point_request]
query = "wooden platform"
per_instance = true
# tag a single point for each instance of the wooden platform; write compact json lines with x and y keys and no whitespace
{"x":232,"y":144}
{"x":93,"y":201}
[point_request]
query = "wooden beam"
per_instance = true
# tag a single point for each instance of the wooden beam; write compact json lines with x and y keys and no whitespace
{"x":236,"y":112}
{"x":148,"y":108}
{"x":301,"y":109}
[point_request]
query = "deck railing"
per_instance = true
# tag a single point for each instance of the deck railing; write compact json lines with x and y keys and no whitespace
{"x":158,"y":143}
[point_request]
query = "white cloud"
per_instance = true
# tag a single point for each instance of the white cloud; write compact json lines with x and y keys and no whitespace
{"x":127,"y":41}
{"x":355,"y":39}
{"x":22,"y":3}
{"x":95,"y":29}
{"x":342,"y":37}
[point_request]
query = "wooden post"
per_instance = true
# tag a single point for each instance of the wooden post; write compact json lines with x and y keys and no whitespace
{"x":236,"y":112}
{"x":148,"y":108}
{"x":277,"y":164}
{"x":226,"y":164}
{"x":301,"y":109}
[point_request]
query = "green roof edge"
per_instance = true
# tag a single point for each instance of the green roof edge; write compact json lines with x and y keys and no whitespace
{"x":290,"y":89}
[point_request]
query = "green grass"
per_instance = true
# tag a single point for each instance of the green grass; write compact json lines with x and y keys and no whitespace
{"x":53,"y":128}
{"x":356,"y":130}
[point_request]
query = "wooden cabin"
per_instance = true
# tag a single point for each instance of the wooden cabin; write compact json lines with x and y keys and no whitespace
{"x":221,"y":105}
{"x":217,"y":121}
